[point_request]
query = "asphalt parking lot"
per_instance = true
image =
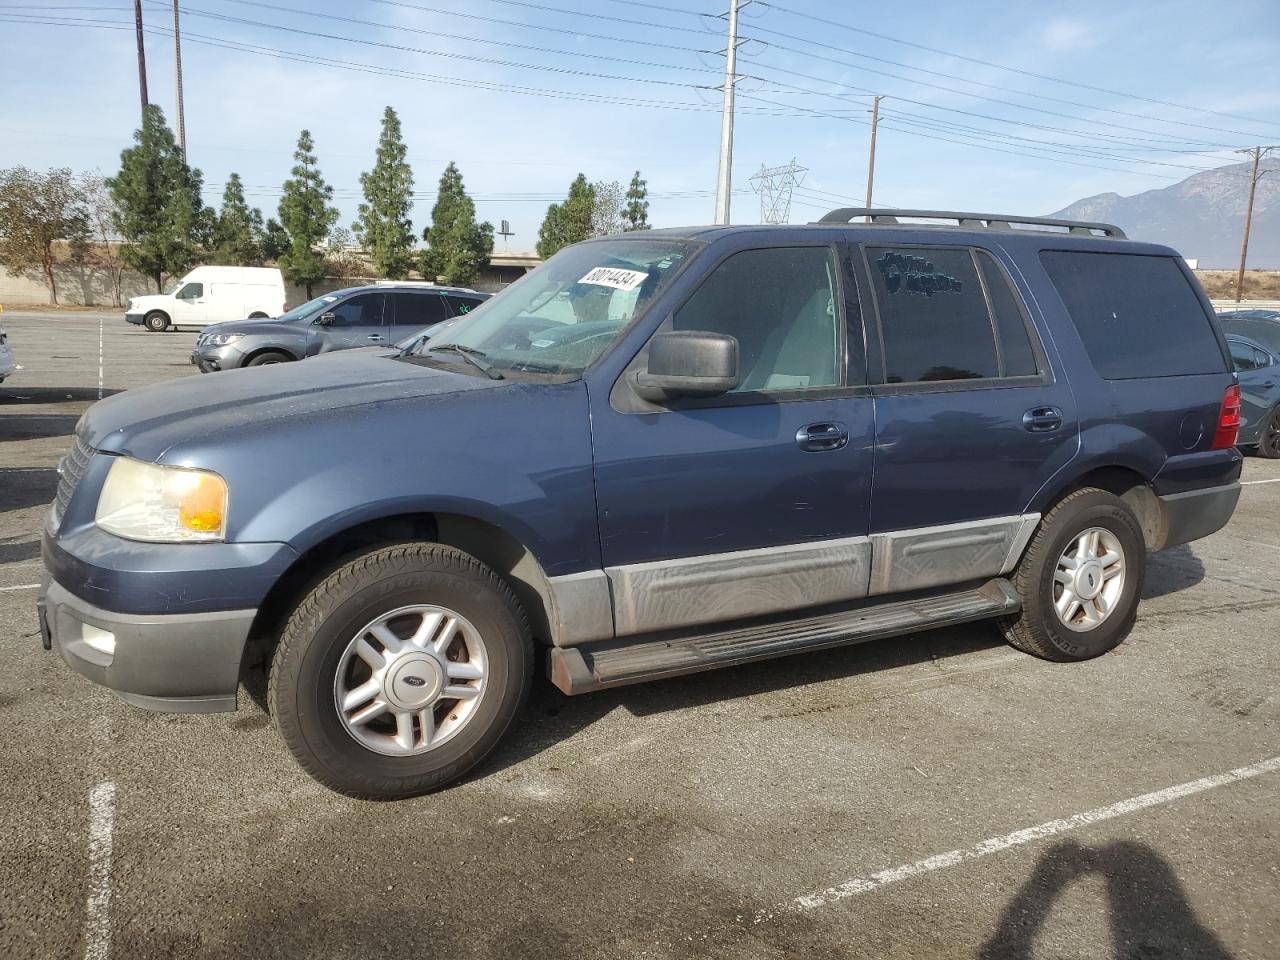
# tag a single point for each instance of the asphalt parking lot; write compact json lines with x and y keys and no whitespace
{"x":876,"y":801}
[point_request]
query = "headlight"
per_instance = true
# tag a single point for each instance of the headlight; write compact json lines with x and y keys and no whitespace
{"x":144,"y":501}
{"x":222,"y":339}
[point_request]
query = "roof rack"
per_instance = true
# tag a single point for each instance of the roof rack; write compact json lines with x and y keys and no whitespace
{"x":985,"y":221}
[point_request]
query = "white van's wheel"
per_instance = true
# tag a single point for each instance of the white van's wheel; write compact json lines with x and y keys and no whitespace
{"x":156,"y":321}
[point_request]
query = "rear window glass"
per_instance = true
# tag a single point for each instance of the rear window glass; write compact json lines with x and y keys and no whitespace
{"x":936,"y":321}
{"x":1137,"y":315}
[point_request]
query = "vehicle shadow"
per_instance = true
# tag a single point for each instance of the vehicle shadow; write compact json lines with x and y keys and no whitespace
{"x":38,"y":426}
{"x":27,"y":487}
{"x":1169,"y":571}
{"x":13,"y":550}
{"x":16,"y":394}
{"x":1148,"y":910}
{"x":552,"y":717}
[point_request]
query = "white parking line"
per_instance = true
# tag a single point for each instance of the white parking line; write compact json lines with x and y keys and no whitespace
{"x":97,"y":923}
{"x":860,"y":885}
{"x":99,"y":358}
{"x":1247,"y":483}
{"x":22,"y":586}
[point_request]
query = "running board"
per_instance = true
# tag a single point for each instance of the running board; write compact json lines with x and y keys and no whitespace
{"x":579,"y":670}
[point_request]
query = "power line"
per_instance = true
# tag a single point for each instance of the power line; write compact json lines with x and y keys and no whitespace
{"x":985,"y":62}
{"x":401,"y":28}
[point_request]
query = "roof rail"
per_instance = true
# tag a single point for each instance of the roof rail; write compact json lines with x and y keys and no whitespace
{"x":985,"y":221}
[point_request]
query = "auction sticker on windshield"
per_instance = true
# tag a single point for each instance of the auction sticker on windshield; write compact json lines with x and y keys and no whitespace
{"x":615,"y":277}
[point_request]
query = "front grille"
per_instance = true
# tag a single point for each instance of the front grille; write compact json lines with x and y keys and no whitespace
{"x":70,"y":472}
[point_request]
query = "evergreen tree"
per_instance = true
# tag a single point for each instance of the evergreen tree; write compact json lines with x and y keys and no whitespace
{"x":158,"y":208}
{"x":568,"y":222}
{"x":306,"y":217}
{"x":636,"y":213}
{"x":457,"y":246}
{"x":272,"y":239}
{"x":383,"y":225}
{"x":234,"y":237}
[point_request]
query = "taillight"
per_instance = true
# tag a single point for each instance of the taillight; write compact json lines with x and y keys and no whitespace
{"x":1228,"y":431}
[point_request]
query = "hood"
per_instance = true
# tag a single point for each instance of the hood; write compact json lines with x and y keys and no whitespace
{"x":147,"y":421}
{"x":271,"y":325}
{"x":148,"y":300}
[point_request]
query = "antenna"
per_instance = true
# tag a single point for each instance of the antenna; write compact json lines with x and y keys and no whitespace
{"x":505,"y":232}
{"x":774,"y":184}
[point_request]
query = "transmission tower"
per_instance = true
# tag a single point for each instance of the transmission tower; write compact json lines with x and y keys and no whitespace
{"x":774,"y":184}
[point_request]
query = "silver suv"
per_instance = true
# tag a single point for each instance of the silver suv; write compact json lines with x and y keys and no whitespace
{"x":383,"y":313}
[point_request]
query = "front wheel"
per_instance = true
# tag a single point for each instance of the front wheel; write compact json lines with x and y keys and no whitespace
{"x":156,"y":321}
{"x":269,"y":357}
{"x":1080,"y":579}
{"x":400,"y":671}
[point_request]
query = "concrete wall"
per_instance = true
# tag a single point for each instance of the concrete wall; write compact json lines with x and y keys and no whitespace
{"x":78,"y":285}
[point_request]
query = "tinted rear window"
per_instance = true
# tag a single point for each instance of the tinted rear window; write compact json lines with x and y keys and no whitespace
{"x":1137,"y":315}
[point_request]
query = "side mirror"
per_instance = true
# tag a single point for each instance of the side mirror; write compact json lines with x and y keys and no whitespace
{"x":689,"y":364}
{"x":325,"y":319}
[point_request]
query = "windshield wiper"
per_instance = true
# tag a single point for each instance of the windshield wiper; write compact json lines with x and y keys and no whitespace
{"x":474,"y":357}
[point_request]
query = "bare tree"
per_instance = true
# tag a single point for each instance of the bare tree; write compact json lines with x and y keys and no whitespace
{"x":106,"y":251}
{"x":37,"y":210}
{"x":342,"y":258}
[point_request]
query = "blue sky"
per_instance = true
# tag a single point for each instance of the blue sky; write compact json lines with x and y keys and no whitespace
{"x":629,"y":85}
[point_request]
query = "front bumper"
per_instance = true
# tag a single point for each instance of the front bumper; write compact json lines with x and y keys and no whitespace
{"x":175,"y":663}
{"x":134,"y":318}
{"x":212,"y":359}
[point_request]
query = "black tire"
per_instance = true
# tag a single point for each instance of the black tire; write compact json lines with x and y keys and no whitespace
{"x":1037,"y":629}
{"x":1269,"y":436}
{"x":257,"y":315}
{"x":300,"y":693}
{"x":157,"y":321}
{"x":269,"y":357}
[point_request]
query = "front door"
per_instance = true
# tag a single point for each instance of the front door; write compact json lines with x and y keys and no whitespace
{"x":189,"y":305}
{"x":970,"y":420}
{"x":354,"y":322}
{"x":756,"y":501}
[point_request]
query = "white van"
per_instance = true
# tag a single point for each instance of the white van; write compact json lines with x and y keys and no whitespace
{"x":211,"y":295}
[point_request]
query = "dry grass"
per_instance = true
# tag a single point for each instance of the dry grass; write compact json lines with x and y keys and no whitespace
{"x":1258,"y":284}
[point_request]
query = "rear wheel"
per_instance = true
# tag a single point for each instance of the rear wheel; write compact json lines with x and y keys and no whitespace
{"x":400,"y":671}
{"x":1079,"y":579}
{"x":1269,"y":437}
{"x":156,"y":321}
{"x":270,"y":356}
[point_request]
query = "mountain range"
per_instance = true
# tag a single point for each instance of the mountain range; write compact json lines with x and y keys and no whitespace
{"x":1202,"y":217}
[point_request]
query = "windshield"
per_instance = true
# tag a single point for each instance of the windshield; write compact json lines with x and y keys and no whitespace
{"x":308,"y":308}
{"x":563,"y":316}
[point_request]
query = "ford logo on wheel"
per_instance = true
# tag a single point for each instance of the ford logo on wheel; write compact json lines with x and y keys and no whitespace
{"x":415,"y":681}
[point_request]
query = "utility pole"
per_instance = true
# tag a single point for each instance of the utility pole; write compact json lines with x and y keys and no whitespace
{"x":871,"y":161}
{"x":1258,"y":153}
{"x":142,"y":57}
{"x":177,"y":74}
{"x":723,"y":181}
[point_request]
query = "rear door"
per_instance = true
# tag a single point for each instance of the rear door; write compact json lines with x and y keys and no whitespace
{"x":354,"y":322}
{"x":1259,"y":385}
{"x":409,"y":311}
{"x":970,"y":419}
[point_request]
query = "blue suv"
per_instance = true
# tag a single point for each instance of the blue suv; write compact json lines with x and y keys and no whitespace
{"x":658,"y":453}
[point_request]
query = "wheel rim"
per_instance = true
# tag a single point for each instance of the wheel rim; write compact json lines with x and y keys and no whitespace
{"x":410,"y":680}
{"x":1089,"y":579}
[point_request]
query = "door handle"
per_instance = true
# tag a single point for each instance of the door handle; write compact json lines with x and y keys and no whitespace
{"x":816,"y":437}
{"x":1042,"y":419}
{"x":375,"y":337}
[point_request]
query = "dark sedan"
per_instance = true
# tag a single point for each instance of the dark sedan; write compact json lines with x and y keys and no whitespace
{"x":1258,"y":371}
